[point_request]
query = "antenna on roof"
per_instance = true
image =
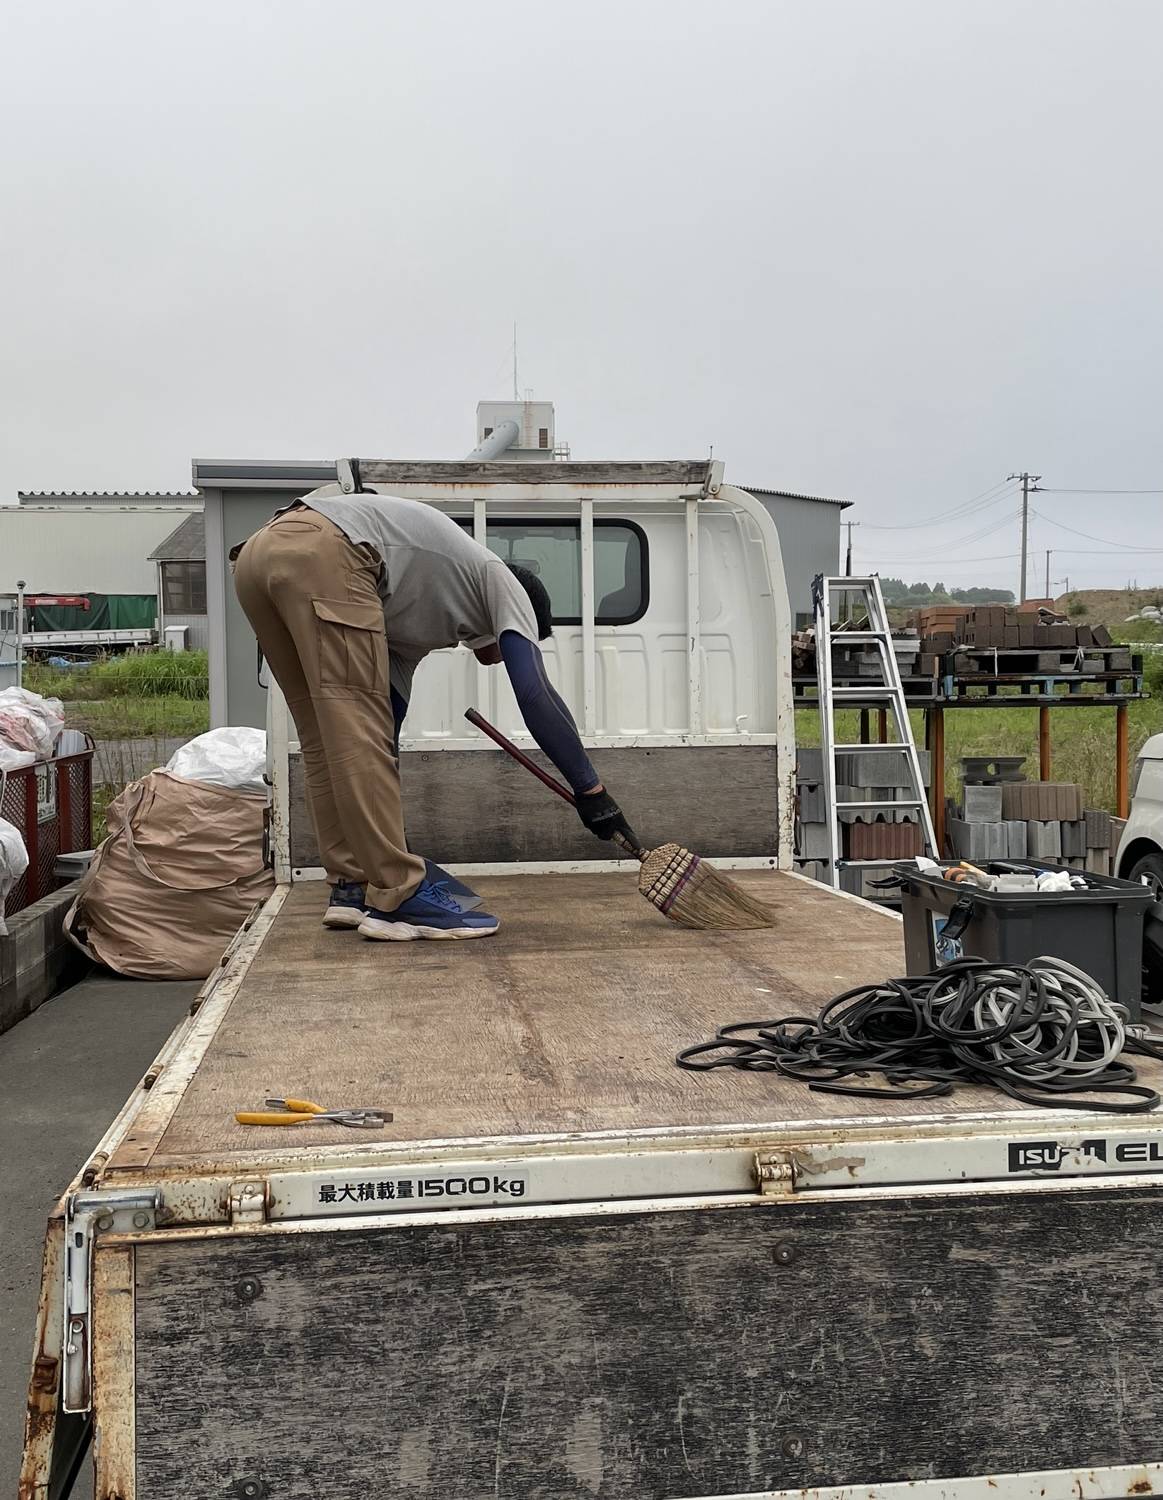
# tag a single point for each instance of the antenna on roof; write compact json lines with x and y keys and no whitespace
{"x":516,"y":388}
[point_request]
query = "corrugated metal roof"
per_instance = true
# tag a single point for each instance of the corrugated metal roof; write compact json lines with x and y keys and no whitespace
{"x":186,"y":543}
{"x":791,"y":495}
{"x":107,"y":497}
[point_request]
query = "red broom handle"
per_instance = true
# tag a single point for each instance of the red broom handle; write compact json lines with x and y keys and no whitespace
{"x":507,"y":745}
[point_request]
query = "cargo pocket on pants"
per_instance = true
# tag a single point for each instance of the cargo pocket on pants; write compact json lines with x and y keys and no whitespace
{"x":352,"y":648}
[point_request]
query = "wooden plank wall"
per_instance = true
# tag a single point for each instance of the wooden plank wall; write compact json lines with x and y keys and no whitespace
{"x":692,"y":473}
{"x":476,"y":806}
{"x":670,"y":1354}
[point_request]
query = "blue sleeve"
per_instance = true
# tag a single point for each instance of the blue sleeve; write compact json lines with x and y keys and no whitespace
{"x":399,"y":709}
{"x":546,"y":716}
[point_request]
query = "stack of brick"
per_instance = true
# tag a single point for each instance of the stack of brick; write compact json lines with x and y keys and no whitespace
{"x":1040,"y":639}
{"x":1041,"y":820}
{"x":867,"y":833}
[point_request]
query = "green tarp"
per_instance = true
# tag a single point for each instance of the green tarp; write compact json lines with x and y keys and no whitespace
{"x":105,"y":612}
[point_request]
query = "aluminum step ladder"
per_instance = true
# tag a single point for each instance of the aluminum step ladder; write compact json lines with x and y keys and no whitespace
{"x":887,"y":693}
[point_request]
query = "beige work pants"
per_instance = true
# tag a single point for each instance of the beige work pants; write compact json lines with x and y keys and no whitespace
{"x":310,"y":595}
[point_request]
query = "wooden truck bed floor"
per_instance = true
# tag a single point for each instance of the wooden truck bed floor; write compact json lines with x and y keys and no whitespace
{"x":566,"y":1022}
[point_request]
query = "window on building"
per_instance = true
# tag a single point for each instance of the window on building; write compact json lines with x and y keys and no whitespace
{"x":184,"y":588}
{"x":552,"y":550}
{"x":543,"y":437}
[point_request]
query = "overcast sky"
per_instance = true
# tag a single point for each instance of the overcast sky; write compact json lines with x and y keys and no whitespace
{"x":890,"y":250}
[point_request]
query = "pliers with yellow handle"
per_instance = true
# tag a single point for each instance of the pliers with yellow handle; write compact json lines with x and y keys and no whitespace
{"x":304,"y":1112}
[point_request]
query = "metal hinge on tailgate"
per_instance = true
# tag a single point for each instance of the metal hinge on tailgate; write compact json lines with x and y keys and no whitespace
{"x":775,"y":1172}
{"x":248,"y":1201}
{"x":88,"y":1215}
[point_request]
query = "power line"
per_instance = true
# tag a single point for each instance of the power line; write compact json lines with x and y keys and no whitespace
{"x":1120,"y":552}
{"x":965,"y":508}
{"x":974,"y":536}
{"x":945,"y":562}
{"x":1086,"y":535}
{"x":1101,"y":492}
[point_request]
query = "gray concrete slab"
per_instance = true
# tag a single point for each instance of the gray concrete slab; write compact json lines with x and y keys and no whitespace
{"x":65,"y":1071}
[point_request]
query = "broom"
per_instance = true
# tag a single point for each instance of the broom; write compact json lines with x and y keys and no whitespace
{"x":679,"y":884}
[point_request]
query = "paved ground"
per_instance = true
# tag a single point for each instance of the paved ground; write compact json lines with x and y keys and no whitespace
{"x":64,"y":1074}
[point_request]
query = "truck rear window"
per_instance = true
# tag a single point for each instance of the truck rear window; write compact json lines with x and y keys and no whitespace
{"x":552,"y":550}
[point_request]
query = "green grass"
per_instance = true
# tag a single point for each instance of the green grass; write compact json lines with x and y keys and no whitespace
{"x":137,"y":674}
{"x":169,"y":717}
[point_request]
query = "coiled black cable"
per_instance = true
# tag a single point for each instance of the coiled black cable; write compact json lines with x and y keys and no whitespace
{"x":1044,"y":1032}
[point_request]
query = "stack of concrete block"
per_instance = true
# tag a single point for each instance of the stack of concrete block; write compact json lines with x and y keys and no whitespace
{"x":1044,"y":839}
{"x":979,"y":834}
{"x":1045,"y":801}
{"x":899,"y":794}
{"x":1101,"y":840}
{"x":811,"y":833}
{"x":882,"y":840}
{"x":1031,"y":820}
{"x":1053,"y":813}
{"x":868,"y":833}
{"x":864,"y":660}
{"x":872,"y":767}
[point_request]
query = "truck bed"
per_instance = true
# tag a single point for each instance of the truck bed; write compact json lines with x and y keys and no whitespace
{"x":564,"y":1024}
{"x":570,"y":1269}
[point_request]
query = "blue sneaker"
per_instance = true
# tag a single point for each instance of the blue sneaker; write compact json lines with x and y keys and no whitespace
{"x":433,"y":912}
{"x":348,"y":905}
{"x":466,"y":898}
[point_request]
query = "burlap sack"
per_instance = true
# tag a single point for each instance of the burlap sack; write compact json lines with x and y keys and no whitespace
{"x":174,"y":880}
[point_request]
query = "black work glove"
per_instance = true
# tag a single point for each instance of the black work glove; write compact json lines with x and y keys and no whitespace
{"x":603,"y":817}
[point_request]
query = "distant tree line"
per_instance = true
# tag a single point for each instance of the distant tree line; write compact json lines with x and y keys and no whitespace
{"x":897,"y":591}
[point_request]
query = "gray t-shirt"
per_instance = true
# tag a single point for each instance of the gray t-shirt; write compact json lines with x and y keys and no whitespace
{"x":439,"y":587}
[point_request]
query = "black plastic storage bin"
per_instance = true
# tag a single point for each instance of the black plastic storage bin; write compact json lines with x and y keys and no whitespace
{"x":1099,"y":930}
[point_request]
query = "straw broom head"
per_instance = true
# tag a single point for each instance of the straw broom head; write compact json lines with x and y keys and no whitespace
{"x":691,"y":892}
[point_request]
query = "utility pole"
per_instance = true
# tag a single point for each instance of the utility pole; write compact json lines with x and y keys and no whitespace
{"x":848,"y":559}
{"x":1029,"y":482}
{"x":1047,"y":595}
{"x":20,"y":587}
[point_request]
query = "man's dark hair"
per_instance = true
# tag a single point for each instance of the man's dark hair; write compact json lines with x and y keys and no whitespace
{"x":538,"y":598}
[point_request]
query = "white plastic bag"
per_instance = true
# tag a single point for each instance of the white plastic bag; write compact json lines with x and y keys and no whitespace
{"x":30,"y":722}
{"x":15,"y":760}
{"x":13,"y":863}
{"x":234,"y":757}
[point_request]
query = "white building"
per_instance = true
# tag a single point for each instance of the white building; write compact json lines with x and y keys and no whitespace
{"x":87,"y":543}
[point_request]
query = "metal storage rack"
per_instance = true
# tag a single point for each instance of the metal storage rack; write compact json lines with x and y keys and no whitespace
{"x":51,"y":803}
{"x":1008,"y":690}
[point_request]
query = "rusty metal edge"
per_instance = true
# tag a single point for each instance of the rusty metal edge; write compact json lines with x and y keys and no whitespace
{"x":130,"y":1144}
{"x":43,"y":1415}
